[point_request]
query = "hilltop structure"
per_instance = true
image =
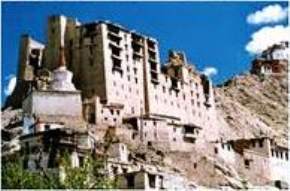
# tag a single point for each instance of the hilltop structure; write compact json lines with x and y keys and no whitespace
{"x":272,"y":61}
{"x":100,"y":75}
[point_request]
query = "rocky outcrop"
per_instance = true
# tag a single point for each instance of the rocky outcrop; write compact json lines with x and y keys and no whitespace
{"x":11,"y":129}
{"x":255,"y":105}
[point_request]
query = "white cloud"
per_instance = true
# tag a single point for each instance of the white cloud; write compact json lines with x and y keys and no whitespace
{"x":267,"y":36}
{"x":210,"y":71}
{"x":270,"y":14}
{"x":11,"y":85}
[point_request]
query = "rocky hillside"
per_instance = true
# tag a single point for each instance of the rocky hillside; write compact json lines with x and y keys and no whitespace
{"x":255,"y":105}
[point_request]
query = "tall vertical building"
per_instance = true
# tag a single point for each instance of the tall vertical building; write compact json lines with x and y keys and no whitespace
{"x":122,"y":68}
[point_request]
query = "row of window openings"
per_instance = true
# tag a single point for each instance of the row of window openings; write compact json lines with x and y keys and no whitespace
{"x":178,"y":105}
{"x":177,"y":93}
{"x":129,"y":89}
{"x":279,"y":154}
{"x":112,"y":112}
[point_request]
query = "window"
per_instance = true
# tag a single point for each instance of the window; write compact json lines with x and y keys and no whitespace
{"x":254,"y":144}
{"x":128,"y":78}
{"x":247,"y":164}
{"x":151,"y":180}
{"x":46,"y":127}
{"x":261,"y":143}
{"x":154,"y":123}
{"x":174,"y":139}
{"x":223,"y":145}
{"x":286,"y":156}
{"x":135,"y":70}
{"x":174,"y":129}
{"x":216,"y":150}
{"x":127,"y":57}
{"x":128,"y":69}
{"x":184,"y":97}
{"x":106,"y":119}
{"x":114,"y":83}
{"x":118,"y":112}
{"x":136,"y":80}
{"x":115,"y":170}
{"x":164,"y":89}
{"x":112,"y":111}
{"x":229,"y":147}
{"x":194,"y":165}
{"x":130,"y":181}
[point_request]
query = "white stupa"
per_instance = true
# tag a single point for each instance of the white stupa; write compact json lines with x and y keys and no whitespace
{"x":62,"y":78}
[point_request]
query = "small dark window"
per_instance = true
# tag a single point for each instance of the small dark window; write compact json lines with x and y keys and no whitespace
{"x":247,"y":164}
{"x":112,"y":111}
{"x":174,"y":139}
{"x":118,"y":112}
{"x":164,"y":89}
{"x":254,"y":144}
{"x":194,"y":165}
{"x":229,"y":147}
{"x":151,"y":180}
{"x":46,"y":127}
{"x":115,"y":170}
{"x":154,"y":123}
{"x":216,"y":150}
{"x":261,"y":143}
{"x":130,"y":181}
{"x":149,"y":144}
{"x":106,"y":118}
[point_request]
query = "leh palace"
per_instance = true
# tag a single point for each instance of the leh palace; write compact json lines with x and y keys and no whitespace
{"x":93,"y":79}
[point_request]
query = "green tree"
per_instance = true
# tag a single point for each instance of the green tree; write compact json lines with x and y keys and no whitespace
{"x":14,"y":176}
{"x":90,"y":175}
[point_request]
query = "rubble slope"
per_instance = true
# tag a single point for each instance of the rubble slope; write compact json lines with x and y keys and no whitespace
{"x":253,"y":105}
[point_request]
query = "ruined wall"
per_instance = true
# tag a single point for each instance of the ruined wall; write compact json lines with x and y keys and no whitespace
{"x":29,"y":62}
{"x":60,"y":33}
{"x":89,"y":62}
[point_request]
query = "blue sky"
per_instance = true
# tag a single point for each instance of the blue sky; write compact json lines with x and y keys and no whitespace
{"x":211,"y":33}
